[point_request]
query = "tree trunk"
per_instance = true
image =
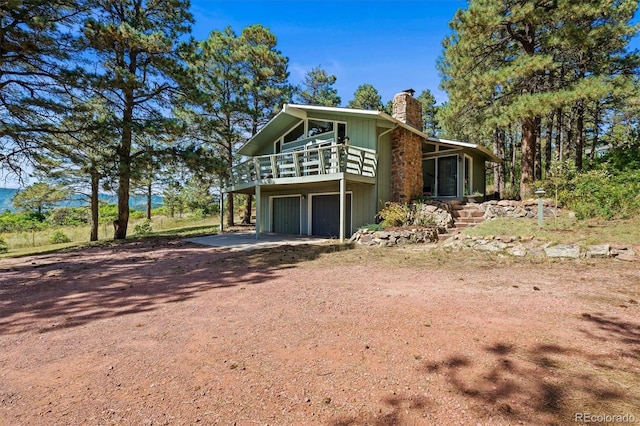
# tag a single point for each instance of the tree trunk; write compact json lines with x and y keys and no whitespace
{"x":230,"y":206}
{"x":559,"y":130}
{"x":538,"y":150}
{"x":94,"y":203}
{"x":149,"y":200}
{"x":512,"y":157}
{"x":596,"y":133}
{"x":547,"y":146}
{"x":246,"y":219}
{"x":528,"y":156}
{"x":498,"y":168}
{"x":124,"y":170}
{"x":579,"y":133}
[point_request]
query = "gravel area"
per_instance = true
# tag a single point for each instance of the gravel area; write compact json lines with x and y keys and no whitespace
{"x":169,"y":332}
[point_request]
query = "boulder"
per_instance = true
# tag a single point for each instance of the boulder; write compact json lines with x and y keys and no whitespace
{"x":571,"y":251}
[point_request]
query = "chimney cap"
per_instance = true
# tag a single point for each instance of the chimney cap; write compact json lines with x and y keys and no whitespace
{"x":409,"y":91}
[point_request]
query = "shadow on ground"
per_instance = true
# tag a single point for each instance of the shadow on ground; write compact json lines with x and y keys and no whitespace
{"x":544,"y":384}
{"x":72,"y":288}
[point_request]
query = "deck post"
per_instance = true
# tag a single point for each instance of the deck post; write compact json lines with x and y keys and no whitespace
{"x":258,"y":201}
{"x":221,"y":210}
{"x":343,"y":190}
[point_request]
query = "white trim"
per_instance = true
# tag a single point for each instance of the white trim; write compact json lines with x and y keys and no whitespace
{"x":271,"y":197}
{"x":310,"y":205}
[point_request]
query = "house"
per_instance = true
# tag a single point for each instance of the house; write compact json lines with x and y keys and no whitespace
{"x":326,"y":171}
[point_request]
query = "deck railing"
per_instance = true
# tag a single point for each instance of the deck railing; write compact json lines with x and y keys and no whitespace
{"x":309,"y":162}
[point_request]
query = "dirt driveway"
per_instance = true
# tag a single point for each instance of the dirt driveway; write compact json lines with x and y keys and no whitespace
{"x":169,"y":332}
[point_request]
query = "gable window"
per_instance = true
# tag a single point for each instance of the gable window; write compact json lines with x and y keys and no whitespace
{"x":318,"y":127}
{"x":312,"y":131}
{"x":295,"y":134}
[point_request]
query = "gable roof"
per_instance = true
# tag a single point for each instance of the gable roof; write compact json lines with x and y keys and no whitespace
{"x":292,"y":113}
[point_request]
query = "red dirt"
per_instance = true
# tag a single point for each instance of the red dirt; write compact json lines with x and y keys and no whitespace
{"x":174,"y":333}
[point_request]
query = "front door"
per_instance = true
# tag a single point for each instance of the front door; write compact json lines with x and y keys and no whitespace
{"x":325,"y":215}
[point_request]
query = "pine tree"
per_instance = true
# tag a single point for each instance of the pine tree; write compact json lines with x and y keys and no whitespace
{"x":136,"y":44}
{"x":35,"y":65}
{"x":429,"y":112}
{"x":317,"y":89}
{"x":366,"y":97}
{"x":513,"y":62}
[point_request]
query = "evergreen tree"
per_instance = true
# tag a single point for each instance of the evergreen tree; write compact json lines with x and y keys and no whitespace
{"x":240,"y":82}
{"x":136,"y":44}
{"x":366,"y":97}
{"x":39,"y":197}
{"x":513,"y":62}
{"x":35,"y":64}
{"x":317,"y":89}
{"x":429,"y":111}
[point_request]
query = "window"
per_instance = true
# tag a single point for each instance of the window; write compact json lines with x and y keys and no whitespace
{"x":318,"y":127}
{"x":342,"y":132}
{"x":295,"y":134}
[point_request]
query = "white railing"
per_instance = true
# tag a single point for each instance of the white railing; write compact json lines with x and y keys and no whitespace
{"x":309,"y":162}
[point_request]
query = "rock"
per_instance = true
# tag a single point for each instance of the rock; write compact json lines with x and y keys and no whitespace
{"x":626,"y":257}
{"x":571,"y":251}
{"x":600,"y":250}
{"x":517,"y":251}
{"x":366,"y":238}
{"x":493,"y":246}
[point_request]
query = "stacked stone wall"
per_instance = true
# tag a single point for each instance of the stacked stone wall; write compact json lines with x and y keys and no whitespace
{"x":406,"y":150}
{"x":406,"y":170}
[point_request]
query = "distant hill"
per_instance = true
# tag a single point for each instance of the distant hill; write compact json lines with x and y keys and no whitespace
{"x":135,"y":202}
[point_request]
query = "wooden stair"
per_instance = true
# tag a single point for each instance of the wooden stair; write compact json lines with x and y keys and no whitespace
{"x":465,"y":215}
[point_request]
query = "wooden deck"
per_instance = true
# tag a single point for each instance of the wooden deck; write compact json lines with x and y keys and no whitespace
{"x":305,"y":165}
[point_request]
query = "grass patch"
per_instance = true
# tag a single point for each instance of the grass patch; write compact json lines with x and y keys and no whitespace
{"x":564,"y":230}
{"x":29,"y":243}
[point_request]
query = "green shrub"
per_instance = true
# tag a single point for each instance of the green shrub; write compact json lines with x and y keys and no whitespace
{"x":198,"y":214}
{"x":59,"y":237}
{"x":604,"y":193}
{"x":373,"y":227}
{"x":394,"y":214}
{"x":4,"y":247}
{"x":137,"y":214}
{"x":511,"y":192}
{"x":69,"y":216}
{"x":143,"y":228}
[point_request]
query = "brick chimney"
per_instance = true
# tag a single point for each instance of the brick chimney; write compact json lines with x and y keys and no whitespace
{"x":406,"y":149}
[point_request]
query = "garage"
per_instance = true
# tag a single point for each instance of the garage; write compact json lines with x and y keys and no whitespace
{"x":325,"y":215}
{"x":285,"y":215}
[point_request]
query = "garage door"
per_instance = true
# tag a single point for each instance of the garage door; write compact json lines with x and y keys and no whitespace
{"x":285,"y":215}
{"x":325,"y":215}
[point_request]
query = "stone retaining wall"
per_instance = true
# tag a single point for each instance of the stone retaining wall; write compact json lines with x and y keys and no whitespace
{"x":532,"y":247}
{"x":398,"y":237}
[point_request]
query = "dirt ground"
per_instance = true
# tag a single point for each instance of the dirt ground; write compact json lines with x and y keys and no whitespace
{"x":167,"y":332}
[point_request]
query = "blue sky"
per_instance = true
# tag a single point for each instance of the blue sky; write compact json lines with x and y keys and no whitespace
{"x":392,"y":45}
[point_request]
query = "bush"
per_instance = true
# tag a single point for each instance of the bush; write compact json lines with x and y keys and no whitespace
{"x":605,"y":193}
{"x":394,"y":214}
{"x":373,"y":227}
{"x":59,"y":237}
{"x":69,"y":216}
{"x":143,"y":228}
{"x":511,"y":192}
{"x":4,"y":247}
{"x":198,"y":214}
{"x":137,"y":214}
